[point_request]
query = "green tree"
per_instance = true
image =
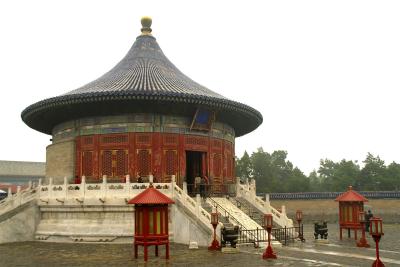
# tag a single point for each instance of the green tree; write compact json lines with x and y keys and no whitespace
{"x":373,"y":173}
{"x":392,"y":178}
{"x":261,"y":170}
{"x":243,"y":167}
{"x":315,"y":181}
{"x":338,"y":176}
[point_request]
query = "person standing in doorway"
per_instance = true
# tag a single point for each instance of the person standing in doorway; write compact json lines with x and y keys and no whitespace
{"x":197,"y":182}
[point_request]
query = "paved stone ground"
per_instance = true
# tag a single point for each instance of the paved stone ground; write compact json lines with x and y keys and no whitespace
{"x":336,"y":253}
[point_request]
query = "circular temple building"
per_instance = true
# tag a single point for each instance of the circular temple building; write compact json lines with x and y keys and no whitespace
{"x":143,"y":117}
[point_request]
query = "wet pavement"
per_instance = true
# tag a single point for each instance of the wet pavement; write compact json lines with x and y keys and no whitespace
{"x":336,"y":253}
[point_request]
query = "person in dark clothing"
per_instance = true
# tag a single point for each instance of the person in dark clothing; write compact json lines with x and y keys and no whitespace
{"x":202,"y":187}
{"x":368,"y":217}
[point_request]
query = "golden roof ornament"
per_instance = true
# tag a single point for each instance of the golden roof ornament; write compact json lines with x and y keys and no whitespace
{"x":146,"y":25}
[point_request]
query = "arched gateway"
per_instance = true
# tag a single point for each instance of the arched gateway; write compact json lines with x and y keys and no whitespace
{"x":143,"y":117}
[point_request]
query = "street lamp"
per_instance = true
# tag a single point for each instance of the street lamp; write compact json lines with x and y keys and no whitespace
{"x":299,"y":218}
{"x":375,"y":229}
{"x":214,"y":221}
{"x":363,"y":241}
{"x":267,"y":224}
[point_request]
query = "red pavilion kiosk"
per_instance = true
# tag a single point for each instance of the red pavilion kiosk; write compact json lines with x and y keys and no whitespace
{"x":350,"y":204}
{"x":151,"y":220}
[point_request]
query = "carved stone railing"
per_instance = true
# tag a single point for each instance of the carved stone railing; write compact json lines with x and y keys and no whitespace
{"x":247,"y":191}
{"x":20,"y":198}
{"x":94,"y":193}
{"x":100,"y":194}
{"x":193,"y":205}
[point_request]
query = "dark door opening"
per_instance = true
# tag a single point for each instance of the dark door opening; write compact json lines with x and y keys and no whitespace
{"x":195,"y":166}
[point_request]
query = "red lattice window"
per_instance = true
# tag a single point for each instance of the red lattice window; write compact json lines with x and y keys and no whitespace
{"x":228,"y":147}
{"x":87,"y":163}
{"x":171,"y":161}
{"x":143,"y":139}
{"x":217,"y":165}
{"x":196,"y":141}
{"x":170,"y":140}
{"x":217,"y":144}
{"x":106,"y":162}
{"x":121,"y":163}
{"x":114,"y":162}
{"x":143,"y":162}
{"x":88,"y":140}
{"x":114,"y":139}
{"x":229,"y":165}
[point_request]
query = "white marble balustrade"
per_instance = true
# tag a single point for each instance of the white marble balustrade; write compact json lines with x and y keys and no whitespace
{"x":248,"y":192}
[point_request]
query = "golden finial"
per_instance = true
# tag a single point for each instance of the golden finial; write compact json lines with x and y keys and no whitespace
{"x":146,"y":25}
{"x":350,"y":187}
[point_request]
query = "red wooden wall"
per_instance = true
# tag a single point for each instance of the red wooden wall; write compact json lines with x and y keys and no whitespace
{"x":160,"y":154}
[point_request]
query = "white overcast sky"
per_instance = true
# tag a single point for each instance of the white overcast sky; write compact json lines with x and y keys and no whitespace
{"x":324,"y":74}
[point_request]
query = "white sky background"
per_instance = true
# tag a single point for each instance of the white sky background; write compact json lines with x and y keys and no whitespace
{"x":324,"y":74}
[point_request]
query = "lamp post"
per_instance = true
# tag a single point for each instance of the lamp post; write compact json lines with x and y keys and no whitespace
{"x":267,"y":224}
{"x":363,"y":241}
{"x":214,"y":221}
{"x":375,"y":229}
{"x":299,"y":218}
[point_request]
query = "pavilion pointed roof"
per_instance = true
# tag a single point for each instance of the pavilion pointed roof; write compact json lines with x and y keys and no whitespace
{"x":145,"y":80}
{"x":151,"y":196}
{"x":351,"y":196}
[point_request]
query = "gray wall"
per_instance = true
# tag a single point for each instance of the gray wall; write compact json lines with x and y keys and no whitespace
{"x":21,"y":168}
{"x":60,"y":161}
{"x":20,"y":224}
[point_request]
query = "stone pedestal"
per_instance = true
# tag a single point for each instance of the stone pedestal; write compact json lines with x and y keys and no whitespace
{"x":193,"y":245}
{"x":321,"y":241}
{"x":230,"y":250}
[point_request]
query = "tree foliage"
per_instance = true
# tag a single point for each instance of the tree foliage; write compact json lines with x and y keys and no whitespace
{"x":274,"y":173}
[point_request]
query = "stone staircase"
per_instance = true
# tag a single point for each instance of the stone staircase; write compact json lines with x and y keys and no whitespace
{"x":248,"y":209}
{"x":236,"y":215}
{"x":222,"y":218}
{"x":246,"y":193}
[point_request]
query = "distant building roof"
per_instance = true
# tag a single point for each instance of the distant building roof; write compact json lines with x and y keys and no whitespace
{"x":351,"y":196}
{"x":22,"y":168}
{"x":151,"y":196}
{"x":13,"y":187}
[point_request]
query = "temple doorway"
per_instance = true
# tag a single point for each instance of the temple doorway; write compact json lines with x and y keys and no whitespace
{"x":195,"y":166}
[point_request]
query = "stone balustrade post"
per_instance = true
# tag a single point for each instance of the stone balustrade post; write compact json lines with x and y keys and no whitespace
{"x":237,"y":186}
{"x":253,"y":185}
{"x":40,"y":182}
{"x":65,"y":187}
{"x":198,"y":204}
{"x":151,"y":178}
{"x":9,"y":194}
{"x":283,"y":208}
{"x":104,"y":187}
{"x":185,"y":187}
{"x":83,"y":186}
{"x":127,"y":185}
{"x":172,"y":186}
{"x":49,"y":187}
{"x":19,"y":195}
